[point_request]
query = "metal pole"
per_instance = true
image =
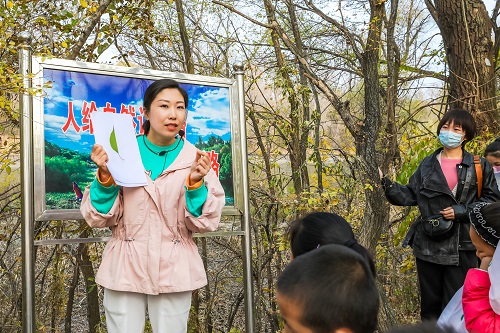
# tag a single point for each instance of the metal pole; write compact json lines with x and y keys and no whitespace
{"x":245,"y":223}
{"x":27,"y":190}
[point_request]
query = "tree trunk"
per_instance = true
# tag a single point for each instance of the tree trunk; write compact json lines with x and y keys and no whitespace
{"x":376,"y":215}
{"x":390,"y":145}
{"x":188,"y":58}
{"x":83,"y":259}
{"x":296,"y":147}
{"x":71,"y":298}
{"x":96,"y":17}
{"x":466,"y":30}
{"x":316,"y":117}
{"x":303,"y":134}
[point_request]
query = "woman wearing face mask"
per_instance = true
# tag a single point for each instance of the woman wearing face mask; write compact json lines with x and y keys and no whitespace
{"x":440,"y":186}
{"x":492,"y":155}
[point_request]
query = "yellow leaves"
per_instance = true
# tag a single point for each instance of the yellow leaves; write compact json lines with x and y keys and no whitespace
{"x":407,"y":265}
{"x":64,"y":44}
{"x":10,"y":4}
{"x":84,"y":3}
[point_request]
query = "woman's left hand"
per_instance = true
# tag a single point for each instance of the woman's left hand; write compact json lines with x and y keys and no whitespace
{"x":448,"y":213}
{"x":200,"y":167}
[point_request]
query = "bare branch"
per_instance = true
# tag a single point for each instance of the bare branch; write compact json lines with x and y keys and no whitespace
{"x":234,"y":10}
{"x":75,"y":51}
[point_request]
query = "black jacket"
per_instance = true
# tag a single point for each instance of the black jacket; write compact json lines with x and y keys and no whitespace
{"x":428,"y":189}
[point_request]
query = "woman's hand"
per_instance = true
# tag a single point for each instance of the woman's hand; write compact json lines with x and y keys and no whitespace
{"x":200,"y":167}
{"x":380,"y":173}
{"x":448,"y":213}
{"x":100,"y":158}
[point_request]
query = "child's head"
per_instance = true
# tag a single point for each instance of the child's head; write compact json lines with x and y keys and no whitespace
{"x":485,"y":228}
{"x":492,"y":154}
{"x":321,"y":228}
{"x":458,"y":121}
{"x":328,"y":290}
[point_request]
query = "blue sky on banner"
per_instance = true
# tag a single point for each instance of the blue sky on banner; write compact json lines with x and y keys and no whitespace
{"x":208,"y":110}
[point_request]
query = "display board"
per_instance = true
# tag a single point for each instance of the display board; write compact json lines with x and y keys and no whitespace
{"x":69,"y":91}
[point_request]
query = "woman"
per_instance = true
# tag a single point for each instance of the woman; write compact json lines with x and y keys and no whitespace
{"x":151,"y":261}
{"x":440,"y":185}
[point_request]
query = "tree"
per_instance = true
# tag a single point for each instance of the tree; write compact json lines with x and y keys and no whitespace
{"x":471,"y":55}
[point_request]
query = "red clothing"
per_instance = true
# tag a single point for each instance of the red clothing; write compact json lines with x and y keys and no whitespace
{"x":478,"y":314}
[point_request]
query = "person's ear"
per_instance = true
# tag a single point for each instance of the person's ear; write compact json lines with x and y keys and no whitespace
{"x":342,"y":330}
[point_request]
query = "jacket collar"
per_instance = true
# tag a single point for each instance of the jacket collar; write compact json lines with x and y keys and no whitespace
{"x":467,"y":158}
{"x":185,"y":158}
{"x":433,"y":177}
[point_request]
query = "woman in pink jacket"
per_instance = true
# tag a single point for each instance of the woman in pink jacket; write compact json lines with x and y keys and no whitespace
{"x":151,"y":261}
{"x":481,"y":304}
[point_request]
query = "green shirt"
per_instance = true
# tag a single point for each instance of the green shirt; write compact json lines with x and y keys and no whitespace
{"x":103,"y":197}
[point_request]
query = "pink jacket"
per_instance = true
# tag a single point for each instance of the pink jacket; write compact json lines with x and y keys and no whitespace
{"x":478,"y":314}
{"x":151,"y":249}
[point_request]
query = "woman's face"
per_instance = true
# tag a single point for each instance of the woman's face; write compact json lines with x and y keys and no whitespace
{"x":451,"y":126}
{"x":483,"y":249}
{"x":166,"y":115}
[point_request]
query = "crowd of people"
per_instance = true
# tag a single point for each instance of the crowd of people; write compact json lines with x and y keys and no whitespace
{"x":151,"y":263}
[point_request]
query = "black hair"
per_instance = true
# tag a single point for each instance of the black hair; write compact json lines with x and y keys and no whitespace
{"x":462,"y":118}
{"x":493,"y":149}
{"x":334,"y":287}
{"x":153,"y":90}
{"x":321,"y":228}
{"x":422,"y":327}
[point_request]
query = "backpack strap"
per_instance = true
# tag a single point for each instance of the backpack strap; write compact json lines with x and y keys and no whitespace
{"x":479,"y":174}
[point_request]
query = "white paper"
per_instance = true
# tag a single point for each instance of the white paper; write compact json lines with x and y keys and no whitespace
{"x":124,"y":158}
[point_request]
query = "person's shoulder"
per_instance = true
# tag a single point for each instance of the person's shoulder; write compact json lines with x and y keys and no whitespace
{"x":188,"y":146}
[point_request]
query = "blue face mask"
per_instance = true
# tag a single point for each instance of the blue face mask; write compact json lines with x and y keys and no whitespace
{"x":450,"y":139}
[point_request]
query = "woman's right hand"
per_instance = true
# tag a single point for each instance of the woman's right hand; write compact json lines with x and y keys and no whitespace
{"x":100,"y":158}
{"x":380,"y":173}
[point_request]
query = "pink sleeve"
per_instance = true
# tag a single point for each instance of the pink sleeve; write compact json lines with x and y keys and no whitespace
{"x":478,"y":314}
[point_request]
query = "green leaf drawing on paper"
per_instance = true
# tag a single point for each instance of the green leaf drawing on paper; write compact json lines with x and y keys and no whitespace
{"x":113,"y":143}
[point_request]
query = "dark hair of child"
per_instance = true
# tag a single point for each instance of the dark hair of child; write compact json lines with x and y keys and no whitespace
{"x":322,"y":228}
{"x":334,"y":288}
{"x":493,"y":149}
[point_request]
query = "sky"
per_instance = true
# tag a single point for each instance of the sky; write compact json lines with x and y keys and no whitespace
{"x":72,"y":93}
